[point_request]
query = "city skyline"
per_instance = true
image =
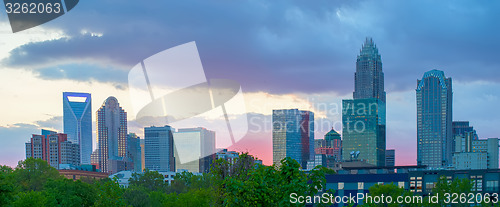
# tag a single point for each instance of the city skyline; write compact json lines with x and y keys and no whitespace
{"x":285,"y":55}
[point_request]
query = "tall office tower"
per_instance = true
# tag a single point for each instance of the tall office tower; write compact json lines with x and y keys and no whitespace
{"x":112,"y":137}
{"x":134,"y":151}
{"x":200,"y":142}
{"x":77,"y":121}
{"x":293,"y":135}
{"x":331,"y":145}
{"x":390,"y":157}
{"x":363,"y":118}
{"x":159,"y":149}
{"x":434,"y":120}
{"x":369,"y":78}
{"x":54,"y":148}
{"x":143,"y":159}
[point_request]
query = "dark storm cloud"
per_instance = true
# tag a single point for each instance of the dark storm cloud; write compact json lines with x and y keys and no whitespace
{"x":275,"y":46}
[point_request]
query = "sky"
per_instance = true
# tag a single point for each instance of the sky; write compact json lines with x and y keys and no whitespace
{"x":285,"y":54}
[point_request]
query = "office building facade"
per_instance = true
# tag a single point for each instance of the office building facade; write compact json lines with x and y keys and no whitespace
{"x":112,"y":137}
{"x":77,"y":122}
{"x":159,"y":149}
{"x":434,"y":120}
{"x":473,"y":154}
{"x":330,"y":146}
{"x":134,"y":151}
{"x":363,"y":130}
{"x":363,"y":117}
{"x":390,"y":157}
{"x":200,"y":142}
{"x":293,"y":135}
{"x":54,"y":148}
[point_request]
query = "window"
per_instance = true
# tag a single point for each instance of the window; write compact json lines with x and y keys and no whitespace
{"x":492,"y":185}
{"x":361,"y":185}
{"x":341,"y":186}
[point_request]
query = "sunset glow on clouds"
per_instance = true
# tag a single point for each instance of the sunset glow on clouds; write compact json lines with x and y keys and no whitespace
{"x":285,"y":54}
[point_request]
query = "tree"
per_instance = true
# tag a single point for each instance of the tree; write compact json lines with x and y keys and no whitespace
{"x":149,"y":180}
{"x":6,"y":185}
{"x":443,"y":186}
{"x":109,"y":193}
{"x":389,"y":190}
{"x":29,"y":199}
{"x":66,"y":192}
{"x":137,"y":197}
{"x":271,"y":185}
{"x":32,"y":174}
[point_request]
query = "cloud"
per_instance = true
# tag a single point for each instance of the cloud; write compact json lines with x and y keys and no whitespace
{"x":54,"y":123}
{"x":277,"y":46}
{"x":13,"y":139}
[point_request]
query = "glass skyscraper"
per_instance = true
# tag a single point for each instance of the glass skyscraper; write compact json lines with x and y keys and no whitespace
{"x":159,"y":149}
{"x":77,"y":121}
{"x":369,"y":78}
{"x":434,"y":120}
{"x":363,"y":118}
{"x":293,"y":135}
{"x":134,"y":151}
{"x":112,"y":137}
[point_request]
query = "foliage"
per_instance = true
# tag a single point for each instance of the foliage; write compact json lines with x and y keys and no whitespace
{"x":242,"y":183}
{"x":6,"y":185}
{"x":149,"y":180}
{"x":389,"y":190}
{"x":65,"y":192}
{"x":109,"y":193}
{"x":31,"y":174}
{"x":29,"y":199}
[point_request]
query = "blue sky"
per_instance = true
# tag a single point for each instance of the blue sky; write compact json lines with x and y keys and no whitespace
{"x":283,"y":52}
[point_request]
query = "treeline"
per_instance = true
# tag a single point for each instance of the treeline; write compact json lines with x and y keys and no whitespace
{"x":34,"y":183}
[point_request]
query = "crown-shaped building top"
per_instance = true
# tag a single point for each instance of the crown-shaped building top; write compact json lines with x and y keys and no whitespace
{"x":369,"y":78}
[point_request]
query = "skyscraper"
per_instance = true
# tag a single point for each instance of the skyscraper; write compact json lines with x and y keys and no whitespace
{"x":159,"y":149}
{"x":434,"y":120}
{"x":369,"y":78}
{"x":112,"y":137}
{"x":77,"y":121}
{"x":201,"y":143}
{"x":134,"y":151}
{"x":363,"y":118}
{"x":293,"y":135}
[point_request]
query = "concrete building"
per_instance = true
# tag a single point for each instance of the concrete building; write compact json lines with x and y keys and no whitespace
{"x":124,"y":177}
{"x":471,"y":153}
{"x":198,"y":147}
{"x":54,"y":148}
{"x":112,"y":137}
{"x":331,"y":145}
